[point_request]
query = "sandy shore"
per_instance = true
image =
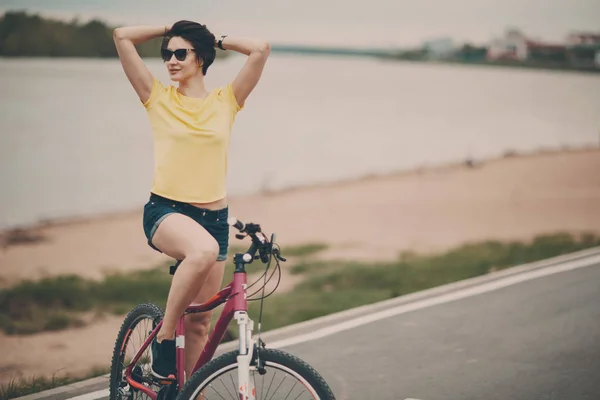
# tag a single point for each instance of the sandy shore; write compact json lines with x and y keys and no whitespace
{"x":435,"y":209}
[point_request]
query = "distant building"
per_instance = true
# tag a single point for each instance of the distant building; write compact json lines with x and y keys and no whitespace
{"x":580,"y":50}
{"x":517,"y":46}
{"x":513,"y":46}
{"x":583,"y":38}
{"x":583,"y":49}
{"x":550,"y":53}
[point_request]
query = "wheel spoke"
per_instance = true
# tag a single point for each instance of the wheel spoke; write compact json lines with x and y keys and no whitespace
{"x":211,"y":386}
{"x":269,"y":388}
{"x":278,"y":386}
{"x":288,"y":395}
{"x":296,"y":398}
{"x":225,"y":386}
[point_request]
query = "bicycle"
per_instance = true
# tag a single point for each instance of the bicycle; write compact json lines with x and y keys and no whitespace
{"x":130,"y":376}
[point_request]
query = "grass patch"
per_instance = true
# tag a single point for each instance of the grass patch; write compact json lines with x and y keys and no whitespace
{"x":303,"y":305}
{"x":24,"y":387}
{"x":303,"y":250}
{"x":56,"y":303}
{"x":16,"y":237}
{"x":309,"y":266}
{"x":335,"y":286}
{"x":329,"y":286}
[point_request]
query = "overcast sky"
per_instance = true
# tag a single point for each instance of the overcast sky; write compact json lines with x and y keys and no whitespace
{"x":342,"y":22}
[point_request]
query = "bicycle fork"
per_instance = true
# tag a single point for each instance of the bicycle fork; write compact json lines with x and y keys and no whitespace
{"x":246,"y":389}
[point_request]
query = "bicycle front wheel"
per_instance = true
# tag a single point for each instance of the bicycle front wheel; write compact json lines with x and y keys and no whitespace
{"x":285,"y":377}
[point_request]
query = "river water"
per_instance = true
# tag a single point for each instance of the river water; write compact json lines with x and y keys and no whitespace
{"x":75,"y":141}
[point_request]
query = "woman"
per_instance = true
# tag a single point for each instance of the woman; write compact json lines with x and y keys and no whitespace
{"x":186,"y":215}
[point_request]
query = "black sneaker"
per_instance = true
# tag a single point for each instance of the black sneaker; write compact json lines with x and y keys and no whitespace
{"x":163,"y":358}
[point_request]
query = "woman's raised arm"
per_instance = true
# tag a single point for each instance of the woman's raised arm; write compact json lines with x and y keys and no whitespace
{"x":257,"y":51}
{"x":137,"y":72}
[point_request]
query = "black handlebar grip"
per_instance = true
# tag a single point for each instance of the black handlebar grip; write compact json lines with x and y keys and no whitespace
{"x":236,"y":223}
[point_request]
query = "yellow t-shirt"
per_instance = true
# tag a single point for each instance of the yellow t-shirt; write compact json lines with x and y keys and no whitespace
{"x":191,"y":142}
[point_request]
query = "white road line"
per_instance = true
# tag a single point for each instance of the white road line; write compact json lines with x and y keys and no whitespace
{"x":446,"y":298}
{"x":93,"y":395}
{"x":405,"y":308}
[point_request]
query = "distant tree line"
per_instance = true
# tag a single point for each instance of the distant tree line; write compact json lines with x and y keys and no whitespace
{"x":25,"y":35}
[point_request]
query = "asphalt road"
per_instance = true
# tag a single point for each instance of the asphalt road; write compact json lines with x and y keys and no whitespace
{"x":526,"y":333}
{"x":538,"y":339}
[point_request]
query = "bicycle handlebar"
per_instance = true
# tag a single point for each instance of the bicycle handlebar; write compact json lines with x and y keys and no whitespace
{"x":249,"y":229}
{"x":259,"y":240}
{"x":236,"y":223}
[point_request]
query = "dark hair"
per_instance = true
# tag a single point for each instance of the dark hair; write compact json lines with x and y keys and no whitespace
{"x":199,"y":36}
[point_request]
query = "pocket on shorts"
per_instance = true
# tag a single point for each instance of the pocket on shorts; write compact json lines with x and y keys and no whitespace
{"x":153,"y":213}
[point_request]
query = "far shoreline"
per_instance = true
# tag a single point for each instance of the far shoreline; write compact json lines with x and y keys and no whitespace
{"x":382,"y":58}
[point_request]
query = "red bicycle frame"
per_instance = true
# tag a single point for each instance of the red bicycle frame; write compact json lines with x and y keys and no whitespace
{"x":234,"y":295}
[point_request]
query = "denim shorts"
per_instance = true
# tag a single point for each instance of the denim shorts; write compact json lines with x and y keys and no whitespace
{"x":214,"y":221}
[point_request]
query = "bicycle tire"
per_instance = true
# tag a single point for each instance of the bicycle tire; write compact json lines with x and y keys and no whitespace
{"x":272,"y":357}
{"x":139,"y":312}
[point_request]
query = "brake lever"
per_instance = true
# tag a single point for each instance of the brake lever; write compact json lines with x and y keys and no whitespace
{"x":278,"y":256}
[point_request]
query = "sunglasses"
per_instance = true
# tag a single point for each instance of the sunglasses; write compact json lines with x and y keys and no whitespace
{"x":180,"y":54}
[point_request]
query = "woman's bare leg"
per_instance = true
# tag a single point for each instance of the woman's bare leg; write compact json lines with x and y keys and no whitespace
{"x":197,"y":326}
{"x":182,"y":238}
